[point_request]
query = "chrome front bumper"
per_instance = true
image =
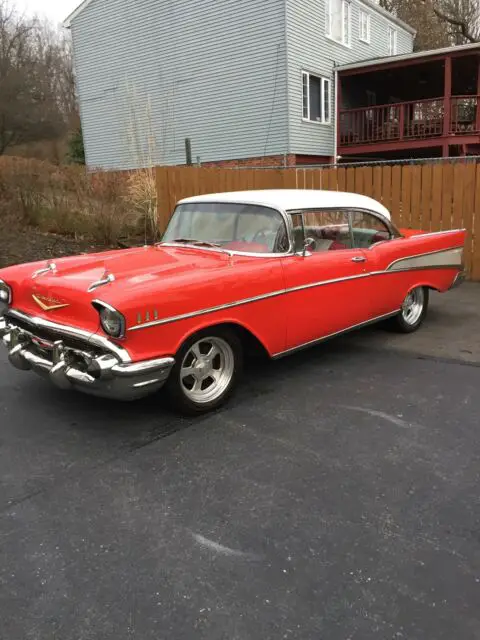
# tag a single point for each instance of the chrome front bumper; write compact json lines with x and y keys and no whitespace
{"x":103,"y":375}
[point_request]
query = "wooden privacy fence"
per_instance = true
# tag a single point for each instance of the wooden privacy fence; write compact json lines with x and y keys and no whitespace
{"x":432,"y":197}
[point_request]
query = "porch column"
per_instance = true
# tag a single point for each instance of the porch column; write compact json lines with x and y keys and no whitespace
{"x":447,"y":109}
{"x":477,"y":126}
{"x":338,"y":124}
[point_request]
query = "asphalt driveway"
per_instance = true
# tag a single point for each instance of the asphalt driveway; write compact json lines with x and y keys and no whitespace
{"x":337,"y":497}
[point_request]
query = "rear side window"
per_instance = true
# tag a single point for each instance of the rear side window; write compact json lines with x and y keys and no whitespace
{"x":368,"y":229}
{"x":329,"y":230}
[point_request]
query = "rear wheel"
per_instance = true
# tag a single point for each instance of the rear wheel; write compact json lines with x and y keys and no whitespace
{"x":413,"y":312}
{"x":206,"y":370}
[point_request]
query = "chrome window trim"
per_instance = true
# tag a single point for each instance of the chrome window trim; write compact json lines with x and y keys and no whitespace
{"x":282,"y":212}
{"x":392,"y":229}
{"x":73,"y":332}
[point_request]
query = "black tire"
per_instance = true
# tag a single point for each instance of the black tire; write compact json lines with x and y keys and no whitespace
{"x":400,"y":323}
{"x":230,"y":354}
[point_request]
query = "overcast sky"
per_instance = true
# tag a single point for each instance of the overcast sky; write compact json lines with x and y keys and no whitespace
{"x":55,"y":10}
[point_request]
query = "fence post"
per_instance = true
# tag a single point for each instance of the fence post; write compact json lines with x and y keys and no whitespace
{"x":163,"y":212}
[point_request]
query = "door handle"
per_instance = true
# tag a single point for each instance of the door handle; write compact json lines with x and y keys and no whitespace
{"x":359,"y":259}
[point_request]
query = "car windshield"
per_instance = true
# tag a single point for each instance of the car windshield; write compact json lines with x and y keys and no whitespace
{"x":236,"y":227}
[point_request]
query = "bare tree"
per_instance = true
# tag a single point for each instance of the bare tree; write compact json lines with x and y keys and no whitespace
{"x":439,"y":23}
{"x":37,"y":96}
{"x":460,"y":17}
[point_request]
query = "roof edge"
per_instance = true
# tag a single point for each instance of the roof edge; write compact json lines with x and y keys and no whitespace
{"x":376,"y":7}
{"x":385,"y":60}
{"x":67,"y":23}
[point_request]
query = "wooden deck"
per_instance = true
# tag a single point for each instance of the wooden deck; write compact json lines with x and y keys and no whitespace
{"x":421,"y":123}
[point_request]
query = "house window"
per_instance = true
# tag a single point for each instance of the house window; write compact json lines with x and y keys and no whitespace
{"x":337,"y":20}
{"x":316,"y":98}
{"x":392,"y":41}
{"x":364,"y":26}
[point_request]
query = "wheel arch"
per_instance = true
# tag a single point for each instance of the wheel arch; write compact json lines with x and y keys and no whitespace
{"x":252,"y":343}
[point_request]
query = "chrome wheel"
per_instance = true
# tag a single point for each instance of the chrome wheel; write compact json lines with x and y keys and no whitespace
{"x":413,"y":306}
{"x":207,"y":370}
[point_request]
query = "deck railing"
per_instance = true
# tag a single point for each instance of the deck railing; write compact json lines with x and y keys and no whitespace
{"x":416,"y":120}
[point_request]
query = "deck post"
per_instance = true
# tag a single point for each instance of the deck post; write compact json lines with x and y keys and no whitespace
{"x":447,"y":109}
{"x":338,"y":124}
{"x":477,"y":125}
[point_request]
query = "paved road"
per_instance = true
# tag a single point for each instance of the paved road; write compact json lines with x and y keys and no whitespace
{"x":337,"y":497}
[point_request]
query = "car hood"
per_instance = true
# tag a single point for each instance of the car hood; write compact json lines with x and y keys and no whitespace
{"x":65,"y":295}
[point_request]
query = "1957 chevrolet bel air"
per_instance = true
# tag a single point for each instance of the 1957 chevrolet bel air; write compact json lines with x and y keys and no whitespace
{"x":279,"y":270}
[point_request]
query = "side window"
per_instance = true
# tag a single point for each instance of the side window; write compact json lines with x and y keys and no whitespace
{"x":329,"y":229}
{"x":367,"y":229}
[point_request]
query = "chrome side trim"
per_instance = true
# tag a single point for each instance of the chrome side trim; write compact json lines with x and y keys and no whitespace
{"x":425,"y":260}
{"x":202,"y":312}
{"x":240,"y":303}
{"x":306,"y":345}
{"x":311,"y":285}
{"x":65,"y":330}
{"x":434,"y":233}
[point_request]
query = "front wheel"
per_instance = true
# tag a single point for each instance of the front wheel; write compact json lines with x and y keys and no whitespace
{"x":206,"y":370}
{"x":413,"y":311}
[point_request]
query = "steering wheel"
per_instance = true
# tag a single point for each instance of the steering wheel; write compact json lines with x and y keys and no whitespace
{"x":260,"y":238}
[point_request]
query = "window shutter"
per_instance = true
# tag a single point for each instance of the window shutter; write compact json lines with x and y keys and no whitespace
{"x":306,"y":105}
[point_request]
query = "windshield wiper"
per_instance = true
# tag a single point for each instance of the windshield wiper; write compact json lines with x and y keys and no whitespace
{"x":198,"y":243}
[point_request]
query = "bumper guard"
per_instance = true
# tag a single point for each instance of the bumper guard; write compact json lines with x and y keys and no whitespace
{"x":100,"y":375}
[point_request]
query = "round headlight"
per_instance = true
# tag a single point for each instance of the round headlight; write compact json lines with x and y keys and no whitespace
{"x":5,"y":296}
{"x":112,"y":321}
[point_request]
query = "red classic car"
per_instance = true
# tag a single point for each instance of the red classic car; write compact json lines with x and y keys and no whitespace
{"x":279,"y":270}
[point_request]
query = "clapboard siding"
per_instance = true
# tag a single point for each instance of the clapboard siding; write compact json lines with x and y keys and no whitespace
{"x":211,"y":71}
{"x":309,"y":49}
{"x":225,"y":73}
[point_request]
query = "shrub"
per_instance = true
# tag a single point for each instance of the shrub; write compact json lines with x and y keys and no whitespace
{"x":72,"y":202}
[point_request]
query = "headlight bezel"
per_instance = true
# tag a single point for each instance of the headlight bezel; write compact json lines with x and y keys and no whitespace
{"x":103,"y":308}
{"x":6,"y":301}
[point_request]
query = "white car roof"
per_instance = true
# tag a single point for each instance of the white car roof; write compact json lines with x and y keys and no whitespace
{"x":292,"y":199}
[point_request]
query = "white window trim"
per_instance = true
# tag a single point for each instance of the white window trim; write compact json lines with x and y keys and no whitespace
{"x":342,"y":44}
{"x":347,"y":5}
{"x":346,"y":42}
{"x":394,"y":32}
{"x":362,"y":13}
{"x":324,"y":82}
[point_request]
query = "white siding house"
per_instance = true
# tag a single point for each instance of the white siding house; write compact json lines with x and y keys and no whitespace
{"x":243,"y":79}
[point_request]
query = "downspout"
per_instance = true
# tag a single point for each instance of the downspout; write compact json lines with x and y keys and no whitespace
{"x":336,"y":123}
{"x":287,"y":80}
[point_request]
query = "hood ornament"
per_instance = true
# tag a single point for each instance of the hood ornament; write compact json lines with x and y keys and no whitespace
{"x":51,"y":267}
{"x":107,"y":278}
{"x":48,"y":304}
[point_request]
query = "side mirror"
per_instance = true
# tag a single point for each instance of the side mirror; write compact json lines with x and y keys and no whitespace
{"x":307,"y":245}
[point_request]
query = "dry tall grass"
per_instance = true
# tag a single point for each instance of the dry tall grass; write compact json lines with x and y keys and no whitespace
{"x":106,"y":207}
